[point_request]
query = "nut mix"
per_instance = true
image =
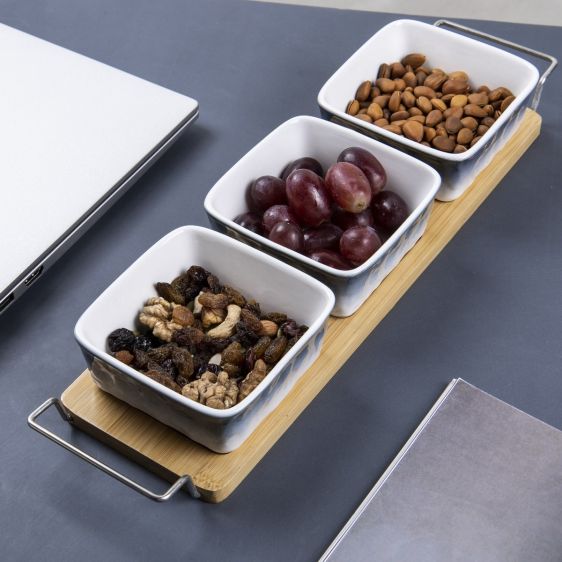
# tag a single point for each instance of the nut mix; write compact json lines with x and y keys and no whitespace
{"x":437,"y":109}
{"x":205,"y":340}
{"x":338,"y":219}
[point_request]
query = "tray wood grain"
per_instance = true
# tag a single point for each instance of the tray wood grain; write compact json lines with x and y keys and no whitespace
{"x":170,"y":454}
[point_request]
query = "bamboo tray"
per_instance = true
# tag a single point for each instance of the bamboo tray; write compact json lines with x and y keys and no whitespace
{"x":212,"y":476}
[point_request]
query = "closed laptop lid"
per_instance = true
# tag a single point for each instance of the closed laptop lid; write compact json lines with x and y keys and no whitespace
{"x":71,"y":130}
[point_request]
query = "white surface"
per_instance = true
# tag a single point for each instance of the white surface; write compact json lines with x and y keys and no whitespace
{"x":415,"y":181}
{"x":71,"y":129}
{"x":545,"y":12}
{"x":275,"y":285}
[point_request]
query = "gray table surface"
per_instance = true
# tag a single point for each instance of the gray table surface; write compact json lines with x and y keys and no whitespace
{"x":488,"y":309}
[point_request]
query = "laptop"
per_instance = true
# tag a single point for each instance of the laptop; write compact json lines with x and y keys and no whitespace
{"x":74,"y":136}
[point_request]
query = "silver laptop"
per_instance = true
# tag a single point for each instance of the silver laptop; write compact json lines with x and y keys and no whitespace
{"x":74,"y":135}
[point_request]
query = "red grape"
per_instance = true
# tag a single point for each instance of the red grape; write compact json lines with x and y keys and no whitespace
{"x":265,"y":192}
{"x":359,"y":243}
{"x":330,"y":258}
{"x":346,"y":220}
{"x":306,"y":163}
{"x":308,"y":197}
{"x":250,"y":221}
{"x":349,"y":187}
{"x":325,"y":236}
{"x":389,"y":210}
{"x":289,"y":235}
{"x":277,"y":213}
{"x":368,"y":164}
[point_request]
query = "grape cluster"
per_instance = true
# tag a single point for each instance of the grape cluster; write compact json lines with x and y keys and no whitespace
{"x":339,"y":219}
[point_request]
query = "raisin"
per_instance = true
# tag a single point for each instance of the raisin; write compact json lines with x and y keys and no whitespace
{"x":158,"y":376}
{"x":290,"y":329}
{"x":215,"y":345}
{"x":167,"y":291}
{"x":214,"y":284}
{"x":143,"y":343}
{"x":183,"y":362}
{"x":261,"y":345}
{"x":169,"y":367}
{"x":232,"y":370}
{"x":234,"y":297}
{"x":141,"y":358}
{"x":245,"y":335}
{"x":249,"y":360}
{"x":254,"y":307}
{"x":275,"y":350}
{"x":213,"y":368}
{"x":251,"y":320}
{"x":197,"y":275}
{"x":160,"y":354}
{"x":233,"y":354}
{"x":181,"y":381}
{"x":124,"y":356}
{"x":121,"y":339}
{"x":189,"y":337}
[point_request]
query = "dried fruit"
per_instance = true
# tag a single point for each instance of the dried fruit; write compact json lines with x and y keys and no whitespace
{"x":251,"y":320}
{"x":275,"y":350}
{"x":121,"y":339}
{"x":160,"y":377}
{"x":205,"y":365}
{"x":143,"y":343}
{"x":168,"y":292}
{"x":234,"y":354}
{"x":124,"y":356}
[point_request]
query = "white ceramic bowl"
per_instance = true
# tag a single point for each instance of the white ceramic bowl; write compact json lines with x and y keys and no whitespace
{"x":444,"y":49}
{"x":275,"y":285}
{"x":416,"y":182}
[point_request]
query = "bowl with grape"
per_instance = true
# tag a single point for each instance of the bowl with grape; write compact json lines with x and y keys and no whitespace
{"x":330,"y":201}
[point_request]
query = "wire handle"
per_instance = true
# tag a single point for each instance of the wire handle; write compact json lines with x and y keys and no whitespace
{"x":66,"y":416}
{"x":544,"y":56}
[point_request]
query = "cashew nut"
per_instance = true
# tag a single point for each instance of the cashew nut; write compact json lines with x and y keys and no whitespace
{"x":226,"y":329}
{"x":197,"y":306}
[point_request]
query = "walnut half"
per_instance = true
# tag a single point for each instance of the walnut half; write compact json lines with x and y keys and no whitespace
{"x":164,"y":317}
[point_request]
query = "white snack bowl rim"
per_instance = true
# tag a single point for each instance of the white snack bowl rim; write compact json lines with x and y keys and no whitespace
{"x":377,"y":146}
{"x":447,"y":35}
{"x":324,"y":293}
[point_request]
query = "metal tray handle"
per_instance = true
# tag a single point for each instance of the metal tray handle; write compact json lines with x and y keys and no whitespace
{"x":66,"y":416}
{"x":544,"y":56}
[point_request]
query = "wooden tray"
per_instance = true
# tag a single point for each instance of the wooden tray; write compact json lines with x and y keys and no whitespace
{"x":170,"y":454}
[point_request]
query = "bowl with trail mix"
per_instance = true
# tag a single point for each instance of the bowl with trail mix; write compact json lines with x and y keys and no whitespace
{"x":450,"y":100}
{"x":205,"y":334}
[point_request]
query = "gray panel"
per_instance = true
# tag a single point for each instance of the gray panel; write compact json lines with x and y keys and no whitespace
{"x":479,"y":480}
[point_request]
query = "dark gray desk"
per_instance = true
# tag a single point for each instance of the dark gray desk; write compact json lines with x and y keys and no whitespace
{"x":489,"y":309}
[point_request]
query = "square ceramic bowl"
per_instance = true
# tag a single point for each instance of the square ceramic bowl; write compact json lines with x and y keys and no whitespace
{"x":416,"y":182}
{"x":444,"y":49}
{"x":275,"y":285}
